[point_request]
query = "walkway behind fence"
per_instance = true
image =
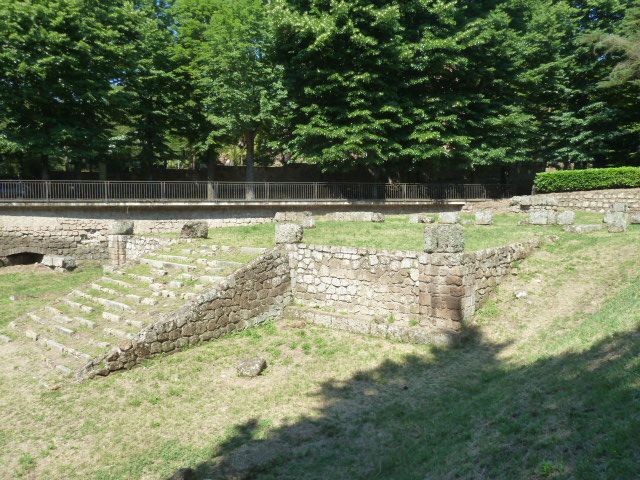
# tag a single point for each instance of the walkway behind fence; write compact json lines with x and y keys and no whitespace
{"x":108,"y":191}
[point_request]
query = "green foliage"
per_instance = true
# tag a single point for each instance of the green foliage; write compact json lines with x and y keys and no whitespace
{"x":392,"y":86}
{"x":591,"y":179}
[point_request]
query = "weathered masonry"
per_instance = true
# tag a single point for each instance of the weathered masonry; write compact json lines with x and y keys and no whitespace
{"x":597,"y":201}
{"x":408,"y":296}
{"x":81,"y":230}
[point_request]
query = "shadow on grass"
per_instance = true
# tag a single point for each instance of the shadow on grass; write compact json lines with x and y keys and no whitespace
{"x":464,"y":414}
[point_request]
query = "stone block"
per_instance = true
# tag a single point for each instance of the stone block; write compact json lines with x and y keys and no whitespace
{"x":251,"y":368}
{"x":566,"y":218}
{"x":447,"y":238}
{"x":420,"y":218}
{"x":289,"y":233}
{"x":377,"y":217}
{"x":484,"y":217}
{"x":617,"y":222}
{"x":195,"y":230}
{"x":124,"y":227}
{"x":542,"y":217}
{"x":634,"y":219}
{"x":292,"y":217}
{"x":308,"y":222}
{"x":59,"y":263}
{"x":449,"y":218}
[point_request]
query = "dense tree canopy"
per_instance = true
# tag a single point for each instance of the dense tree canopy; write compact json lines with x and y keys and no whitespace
{"x":393,"y":86}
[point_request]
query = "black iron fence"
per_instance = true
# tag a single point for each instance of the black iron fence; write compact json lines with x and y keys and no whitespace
{"x":107,"y":191}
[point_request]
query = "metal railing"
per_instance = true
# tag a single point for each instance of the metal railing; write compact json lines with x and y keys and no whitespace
{"x":58,"y":191}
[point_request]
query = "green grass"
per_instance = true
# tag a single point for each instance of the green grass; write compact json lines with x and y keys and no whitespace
{"x":395,"y":234}
{"x":546,"y":387}
{"x":36,"y":289}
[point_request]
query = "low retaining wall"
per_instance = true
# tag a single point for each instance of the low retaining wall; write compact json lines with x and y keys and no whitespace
{"x":596,"y":201}
{"x":170,"y":217}
{"x":254,"y":293}
{"x":443,"y":287}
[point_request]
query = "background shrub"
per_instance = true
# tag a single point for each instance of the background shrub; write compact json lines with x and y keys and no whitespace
{"x":592,"y":179}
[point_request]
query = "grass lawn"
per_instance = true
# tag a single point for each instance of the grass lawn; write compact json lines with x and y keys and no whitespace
{"x":395,"y":234}
{"x":546,"y":387}
{"x":34,"y":289}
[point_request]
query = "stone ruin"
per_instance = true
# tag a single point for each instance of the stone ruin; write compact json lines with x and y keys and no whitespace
{"x":484,"y":217}
{"x":303,"y":218}
{"x":195,"y":230}
{"x":444,"y":238}
{"x":617,"y":220}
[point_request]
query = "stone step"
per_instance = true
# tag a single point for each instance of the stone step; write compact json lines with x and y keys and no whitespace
{"x":124,"y":321}
{"x":54,"y":327}
{"x":219,"y":264}
{"x":114,"y":332}
{"x":173,"y":258}
{"x":61,"y":317}
{"x":159,"y":273}
{"x":165,"y":294}
{"x":165,"y":264}
{"x":120,"y":283}
{"x":210,"y":278}
{"x":56,"y":345}
{"x":109,"y":291}
{"x":371,"y":326}
{"x":103,"y":301}
{"x":141,"y":278}
{"x":78,"y":306}
{"x":52,"y":330}
{"x":64,"y":366}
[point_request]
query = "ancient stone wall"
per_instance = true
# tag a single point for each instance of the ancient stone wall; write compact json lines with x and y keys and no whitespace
{"x":443,"y":287}
{"x":254,"y":293}
{"x":597,"y":201}
{"x":83,"y":239}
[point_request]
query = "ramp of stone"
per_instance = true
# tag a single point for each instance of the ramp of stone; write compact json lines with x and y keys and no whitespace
{"x":91,"y":320}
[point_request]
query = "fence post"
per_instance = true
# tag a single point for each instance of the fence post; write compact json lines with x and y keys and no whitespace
{"x":315,"y":190}
{"x":163,"y":190}
{"x":216,"y":190}
{"x":210,"y":191}
{"x":47,"y":188}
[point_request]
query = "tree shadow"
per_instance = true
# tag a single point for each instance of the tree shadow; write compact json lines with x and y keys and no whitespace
{"x":465,"y":414}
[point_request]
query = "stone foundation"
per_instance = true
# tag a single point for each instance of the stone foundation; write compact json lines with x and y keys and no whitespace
{"x":440,"y":287}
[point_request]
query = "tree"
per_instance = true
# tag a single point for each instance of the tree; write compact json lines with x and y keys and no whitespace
{"x":147,"y":90}
{"x":57,"y":62}
{"x":244,"y":91}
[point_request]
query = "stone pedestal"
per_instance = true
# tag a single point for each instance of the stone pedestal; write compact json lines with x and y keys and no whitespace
{"x":447,"y":238}
{"x":287,"y":233}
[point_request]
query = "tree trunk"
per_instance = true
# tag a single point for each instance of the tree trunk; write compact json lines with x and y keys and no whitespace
{"x":44,"y":166}
{"x":102,"y":170}
{"x":211,"y":171}
{"x":250,"y":144}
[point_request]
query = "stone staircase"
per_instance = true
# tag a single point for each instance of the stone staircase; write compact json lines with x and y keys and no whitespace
{"x":425,"y":331}
{"x":89,"y":321}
